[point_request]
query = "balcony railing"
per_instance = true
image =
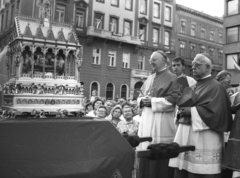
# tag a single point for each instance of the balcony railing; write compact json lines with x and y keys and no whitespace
{"x":92,"y":31}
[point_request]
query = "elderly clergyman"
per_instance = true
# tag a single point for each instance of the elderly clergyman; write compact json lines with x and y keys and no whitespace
{"x":158,"y":98}
{"x":210,"y":117}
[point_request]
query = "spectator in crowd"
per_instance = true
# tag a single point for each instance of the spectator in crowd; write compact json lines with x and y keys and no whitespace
{"x":109,"y":106}
{"x":128,"y":125}
{"x":88,"y":107}
{"x":96,"y":104}
{"x":157,"y":99}
{"x":209,"y":117}
{"x":101,"y":113}
{"x":178,"y":66}
{"x":224,"y":77}
{"x":115,"y":114}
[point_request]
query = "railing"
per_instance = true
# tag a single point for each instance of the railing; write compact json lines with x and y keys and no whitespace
{"x":48,"y":76}
{"x":92,"y":31}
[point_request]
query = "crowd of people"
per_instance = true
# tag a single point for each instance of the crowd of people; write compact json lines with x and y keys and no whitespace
{"x":173,"y":107}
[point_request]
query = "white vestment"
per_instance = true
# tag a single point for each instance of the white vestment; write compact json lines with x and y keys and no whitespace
{"x":156,"y":121}
{"x":206,"y":159}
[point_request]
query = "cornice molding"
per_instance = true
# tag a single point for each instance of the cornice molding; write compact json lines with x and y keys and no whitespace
{"x":198,"y":14}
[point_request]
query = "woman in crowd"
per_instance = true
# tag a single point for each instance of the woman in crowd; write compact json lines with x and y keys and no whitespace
{"x":96,"y":104}
{"x":128,"y":125}
{"x":101,"y":113}
{"x":115,"y":115}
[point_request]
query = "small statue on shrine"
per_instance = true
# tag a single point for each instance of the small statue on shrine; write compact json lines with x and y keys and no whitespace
{"x":61,"y":90}
{"x":12,"y":88}
{"x":33,"y":89}
{"x":5,"y":89}
{"x":55,"y":89}
{"x":77,"y":90}
{"x":39,"y":89}
{"x":17,"y":60}
{"x":19,"y":88}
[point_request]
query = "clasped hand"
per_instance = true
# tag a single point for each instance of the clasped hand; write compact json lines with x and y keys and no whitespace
{"x":184,"y":115}
{"x":146,"y":101}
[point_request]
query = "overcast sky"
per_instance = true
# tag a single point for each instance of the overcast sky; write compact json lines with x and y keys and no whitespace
{"x":211,"y":7}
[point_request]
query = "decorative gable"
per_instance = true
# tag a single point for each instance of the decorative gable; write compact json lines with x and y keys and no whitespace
{"x":39,"y":33}
{"x":50,"y":35}
{"x":71,"y":38}
{"x":143,"y":20}
{"x":81,"y":3}
{"x":27,"y":32}
{"x":61,"y":36}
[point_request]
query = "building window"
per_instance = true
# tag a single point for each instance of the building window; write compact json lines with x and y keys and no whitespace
{"x":112,"y":58}
{"x":156,"y":10}
{"x":232,"y":61}
{"x":220,"y":56}
{"x":167,"y":39}
{"x":97,"y":56}
{"x":193,"y":29}
{"x":126,"y":60}
{"x":202,"y":49}
{"x":182,"y":49}
{"x":127,"y":28}
{"x":94,"y":89}
{"x":60,"y":13}
{"x":220,"y":37}
{"x":102,"y":1}
{"x":109,"y":91}
{"x":232,"y":7}
{"x":193,"y":51}
{"x":115,"y":3}
{"x":203,"y":32}
{"x":155,"y":35}
{"x":141,"y":62}
{"x":98,"y":21}
{"x":232,"y":34}
{"x":211,"y":35}
{"x":168,"y":14}
{"x":128,"y":4}
{"x":183,"y":26}
{"x":142,"y":32}
{"x":143,"y":7}
{"x":80,"y":19}
{"x":124,"y":91}
{"x":113,"y":26}
{"x":211,"y":52}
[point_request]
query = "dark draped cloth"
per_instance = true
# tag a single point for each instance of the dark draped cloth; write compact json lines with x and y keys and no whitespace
{"x":183,"y":82}
{"x":213,"y":104}
{"x":231,"y":157}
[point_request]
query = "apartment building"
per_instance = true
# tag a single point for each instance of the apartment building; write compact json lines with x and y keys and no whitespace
{"x":198,"y":32}
{"x":232,"y":46}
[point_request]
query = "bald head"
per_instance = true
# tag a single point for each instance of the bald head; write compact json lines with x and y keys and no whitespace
{"x":158,"y":61}
{"x":202,"y":66}
{"x":203,"y":59}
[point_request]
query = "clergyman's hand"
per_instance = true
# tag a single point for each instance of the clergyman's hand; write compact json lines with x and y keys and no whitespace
{"x":185,"y":111}
{"x":147,"y":102}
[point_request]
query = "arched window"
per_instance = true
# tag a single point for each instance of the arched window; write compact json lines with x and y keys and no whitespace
{"x":124,"y":91}
{"x":94,"y":89}
{"x":109,"y":91}
{"x":137,"y":85}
